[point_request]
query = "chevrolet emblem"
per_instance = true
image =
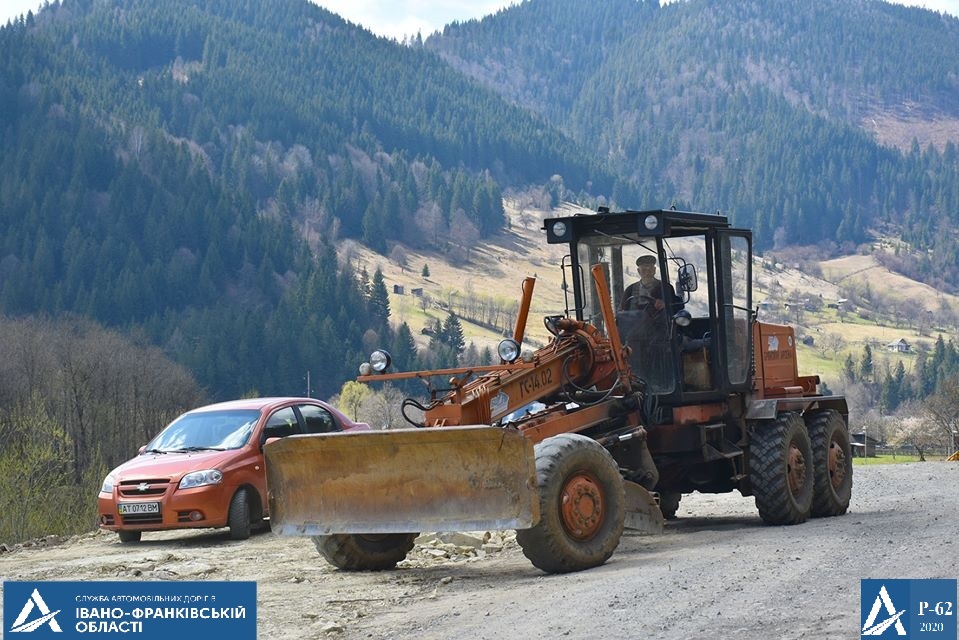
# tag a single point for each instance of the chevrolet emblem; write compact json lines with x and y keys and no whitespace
{"x":143,"y":486}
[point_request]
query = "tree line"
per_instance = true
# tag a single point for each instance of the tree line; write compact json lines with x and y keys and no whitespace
{"x":76,"y":400}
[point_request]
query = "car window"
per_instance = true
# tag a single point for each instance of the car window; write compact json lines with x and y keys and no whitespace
{"x":281,"y":424}
{"x":206,"y":430}
{"x":317,"y":419}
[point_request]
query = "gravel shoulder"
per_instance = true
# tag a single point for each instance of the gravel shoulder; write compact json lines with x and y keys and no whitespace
{"x":716,"y":572}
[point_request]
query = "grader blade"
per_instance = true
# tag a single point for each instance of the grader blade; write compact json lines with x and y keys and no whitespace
{"x":642,"y":512}
{"x":465,"y":478}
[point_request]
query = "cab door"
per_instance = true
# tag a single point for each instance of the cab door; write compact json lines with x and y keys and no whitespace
{"x":733,"y":270}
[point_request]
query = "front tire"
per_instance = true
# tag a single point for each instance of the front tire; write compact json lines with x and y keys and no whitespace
{"x":832,"y":458}
{"x":127,"y":537}
{"x":364,"y":551}
{"x":582,"y":506}
{"x":239,"y":517}
{"x":781,"y":466}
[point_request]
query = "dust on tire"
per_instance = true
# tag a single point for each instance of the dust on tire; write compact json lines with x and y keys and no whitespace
{"x":364,"y":552}
{"x":781,"y":464}
{"x":832,"y":462}
{"x":572,"y":462}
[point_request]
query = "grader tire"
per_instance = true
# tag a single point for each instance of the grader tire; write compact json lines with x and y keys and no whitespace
{"x":781,"y":464}
{"x":669,"y":503}
{"x":832,"y":463}
{"x":582,"y":506}
{"x":364,"y":551}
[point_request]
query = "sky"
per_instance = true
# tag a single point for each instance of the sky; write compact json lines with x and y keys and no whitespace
{"x":399,"y":18}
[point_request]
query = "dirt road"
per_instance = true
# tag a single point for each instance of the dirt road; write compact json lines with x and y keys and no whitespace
{"x":717,"y":572}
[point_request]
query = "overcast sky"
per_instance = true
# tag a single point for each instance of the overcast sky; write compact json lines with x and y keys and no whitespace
{"x":397,"y":18}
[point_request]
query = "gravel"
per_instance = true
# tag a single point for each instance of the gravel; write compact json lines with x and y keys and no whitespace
{"x":716,"y":572}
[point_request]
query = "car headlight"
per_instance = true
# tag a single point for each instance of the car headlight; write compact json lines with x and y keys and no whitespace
{"x":108,"y":483}
{"x":201,"y":478}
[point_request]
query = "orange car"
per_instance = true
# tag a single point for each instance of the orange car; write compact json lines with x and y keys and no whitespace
{"x":206,"y":468}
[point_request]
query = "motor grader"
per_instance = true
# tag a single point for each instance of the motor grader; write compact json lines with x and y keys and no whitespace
{"x":634,"y":401}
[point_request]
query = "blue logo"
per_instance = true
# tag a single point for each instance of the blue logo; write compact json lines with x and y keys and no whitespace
{"x":908,"y":608}
{"x":149,"y":610}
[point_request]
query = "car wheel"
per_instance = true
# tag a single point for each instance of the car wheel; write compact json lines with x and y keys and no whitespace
{"x":129,"y":536}
{"x":239,"y":518}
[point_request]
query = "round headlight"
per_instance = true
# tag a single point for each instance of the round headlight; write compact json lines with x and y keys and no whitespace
{"x":508,"y":350}
{"x":651,"y":222}
{"x":559,"y":229}
{"x":365,"y":369}
{"x":380,"y":360}
{"x":682,"y":318}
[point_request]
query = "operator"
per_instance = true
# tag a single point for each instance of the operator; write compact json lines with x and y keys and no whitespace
{"x":647,"y":331}
{"x":649,"y":290}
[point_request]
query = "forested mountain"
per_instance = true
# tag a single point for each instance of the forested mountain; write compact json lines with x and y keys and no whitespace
{"x":184,"y":169}
{"x":187,"y":166}
{"x":760,"y":108}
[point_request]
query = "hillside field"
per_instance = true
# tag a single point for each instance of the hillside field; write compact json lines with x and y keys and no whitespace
{"x":496,"y":269}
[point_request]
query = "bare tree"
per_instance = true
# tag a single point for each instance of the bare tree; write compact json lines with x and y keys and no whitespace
{"x":915,"y":431}
{"x":381,"y":409}
{"x":463,"y":231}
{"x":399,"y":257}
{"x":941,"y":409}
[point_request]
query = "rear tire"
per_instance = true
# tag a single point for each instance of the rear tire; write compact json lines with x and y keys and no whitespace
{"x":126,"y":537}
{"x":669,"y":503}
{"x":832,"y":458}
{"x":239,"y":518}
{"x":364,"y":551}
{"x":781,"y":466}
{"x":582,"y":506}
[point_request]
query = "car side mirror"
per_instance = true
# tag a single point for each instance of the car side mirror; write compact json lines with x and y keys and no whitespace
{"x":687,"y":278}
{"x":141,"y":450}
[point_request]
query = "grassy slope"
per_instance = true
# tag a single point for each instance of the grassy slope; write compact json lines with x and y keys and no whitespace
{"x":497,"y":268}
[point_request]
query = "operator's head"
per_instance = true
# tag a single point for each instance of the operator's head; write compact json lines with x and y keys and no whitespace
{"x":646,"y":264}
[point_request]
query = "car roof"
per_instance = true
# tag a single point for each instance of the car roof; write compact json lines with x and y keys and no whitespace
{"x":254,"y":403}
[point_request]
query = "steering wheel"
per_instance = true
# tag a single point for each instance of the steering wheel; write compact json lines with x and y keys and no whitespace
{"x":643,"y":302}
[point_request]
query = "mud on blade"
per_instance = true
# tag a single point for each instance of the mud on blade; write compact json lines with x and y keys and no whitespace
{"x":437,"y":479}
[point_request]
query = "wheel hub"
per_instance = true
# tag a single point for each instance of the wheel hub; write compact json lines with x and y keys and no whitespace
{"x":582,"y":506}
{"x":796,"y":469}
{"x":837,"y":464}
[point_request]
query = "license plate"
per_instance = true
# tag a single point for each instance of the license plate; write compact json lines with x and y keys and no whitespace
{"x":131,"y":508}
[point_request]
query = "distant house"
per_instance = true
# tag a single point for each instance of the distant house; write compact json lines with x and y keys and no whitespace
{"x":859,"y":449}
{"x":899,"y":346}
{"x":398,"y":289}
{"x":417,"y":291}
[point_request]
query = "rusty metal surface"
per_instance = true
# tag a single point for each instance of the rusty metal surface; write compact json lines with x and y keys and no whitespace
{"x":642,"y":511}
{"x":408,"y":480}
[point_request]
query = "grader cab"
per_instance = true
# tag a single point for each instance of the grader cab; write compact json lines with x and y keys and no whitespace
{"x":658,"y":380}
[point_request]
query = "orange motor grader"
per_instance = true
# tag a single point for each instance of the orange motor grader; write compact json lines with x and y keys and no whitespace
{"x":642,"y":394}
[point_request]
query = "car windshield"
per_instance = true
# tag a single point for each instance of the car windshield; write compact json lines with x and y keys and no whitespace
{"x":206,"y":430}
